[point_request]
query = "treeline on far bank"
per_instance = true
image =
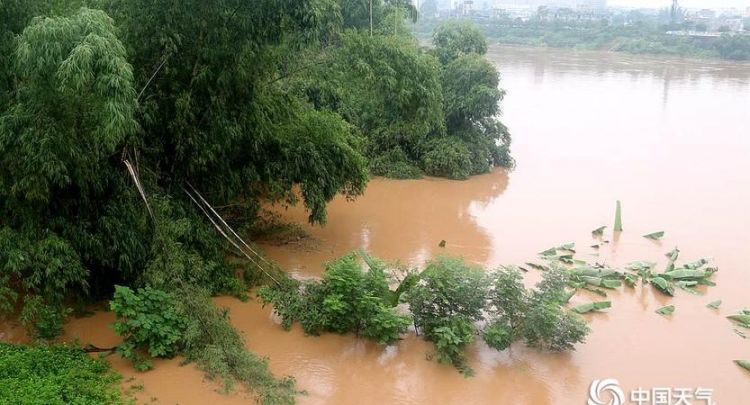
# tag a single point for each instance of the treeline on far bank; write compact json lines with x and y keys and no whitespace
{"x":638,"y":38}
{"x":136,"y":135}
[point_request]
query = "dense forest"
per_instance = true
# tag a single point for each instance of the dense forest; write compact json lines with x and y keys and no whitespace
{"x":136,"y":136}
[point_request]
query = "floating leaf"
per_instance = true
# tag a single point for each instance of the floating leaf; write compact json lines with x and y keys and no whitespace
{"x":673,"y":254}
{"x":641,"y":266}
{"x":696,"y":264}
{"x":630,"y":279}
{"x":740,"y":333}
{"x":662,"y":285}
{"x":535,"y":266}
{"x":742,"y":318}
{"x":743,"y":363}
{"x":654,"y":235}
{"x":714,"y":304}
{"x":591,"y":306}
{"x":549,"y":252}
{"x":599,"y":231}
{"x":597,"y":246}
{"x":688,"y":286}
{"x":442,"y":243}
{"x":618,"y":217}
{"x":681,"y":274}
{"x":570,"y":247}
{"x":667,"y":310}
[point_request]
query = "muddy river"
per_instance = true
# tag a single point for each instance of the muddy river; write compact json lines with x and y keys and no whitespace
{"x":669,"y":138}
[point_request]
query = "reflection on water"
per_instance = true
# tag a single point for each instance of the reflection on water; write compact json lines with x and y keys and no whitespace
{"x":667,"y":137}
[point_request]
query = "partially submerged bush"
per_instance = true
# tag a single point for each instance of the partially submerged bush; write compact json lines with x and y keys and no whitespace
{"x":537,"y":316}
{"x":55,"y":375}
{"x":149,"y":323}
{"x":348,"y":299}
{"x":448,"y":299}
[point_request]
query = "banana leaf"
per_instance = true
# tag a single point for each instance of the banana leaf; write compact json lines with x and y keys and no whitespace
{"x":630,"y":280}
{"x":682,"y":273}
{"x":599,"y":231}
{"x":688,"y":286}
{"x":584,"y":271}
{"x":596,"y":246}
{"x":673,"y":254}
{"x":641,"y":266}
{"x":696,"y":264}
{"x":601,"y":282}
{"x":591,"y":306}
{"x":740,"y":333}
{"x":714,"y":304}
{"x":618,"y":217}
{"x":742,"y":318}
{"x":743,"y":363}
{"x":667,"y":310}
{"x":564,"y":258}
{"x":662,"y":285}
{"x":549,"y":252}
{"x":535,"y":266}
{"x":597,"y":291}
{"x":654,"y":235}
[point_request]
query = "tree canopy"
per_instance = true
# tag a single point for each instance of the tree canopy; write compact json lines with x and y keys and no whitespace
{"x":123,"y":123}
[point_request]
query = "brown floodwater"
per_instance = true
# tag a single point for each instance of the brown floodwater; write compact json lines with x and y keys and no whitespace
{"x":667,"y":137}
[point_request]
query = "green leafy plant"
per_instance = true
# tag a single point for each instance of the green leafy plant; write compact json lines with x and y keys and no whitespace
{"x":446,"y":301}
{"x":348,"y":299}
{"x":148,"y":321}
{"x":55,"y":375}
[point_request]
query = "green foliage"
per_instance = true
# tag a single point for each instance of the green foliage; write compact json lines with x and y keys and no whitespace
{"x":641,"y":35}
{"x":470,"y":84}
{"x":45,"y":321}
{"x":457,"y":38}
{"x":498,"y":335}
{"x":348,"y":299}
{"x":218,"y":112}
{"x":219,"y":350}
{"x":447,"y":157}
{"x":451,"y":338}
{"x":45,"y":271}
{"x":547,"y":325}
{"x":394,"y":164}
{"x":537,"y":316}
{"x":55,"y":375}
{"x":447,"y":288}
{"x":148,"y":321}
{"x":446,"y":301}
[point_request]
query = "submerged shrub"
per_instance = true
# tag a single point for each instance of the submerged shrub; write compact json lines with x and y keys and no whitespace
{"x":446,"y":301}
{"x":55,"y":375}
{"x":347,"y":299}
{"x":149,"y":322}
{"x":537,"y":317}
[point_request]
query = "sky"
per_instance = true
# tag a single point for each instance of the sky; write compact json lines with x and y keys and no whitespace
{"x":683,"y":3}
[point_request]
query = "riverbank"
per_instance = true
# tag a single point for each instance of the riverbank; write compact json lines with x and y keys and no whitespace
{"x":632,"y":40}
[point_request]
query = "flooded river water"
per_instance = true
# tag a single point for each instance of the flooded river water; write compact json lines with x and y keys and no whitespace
{"x":669,"y":138}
